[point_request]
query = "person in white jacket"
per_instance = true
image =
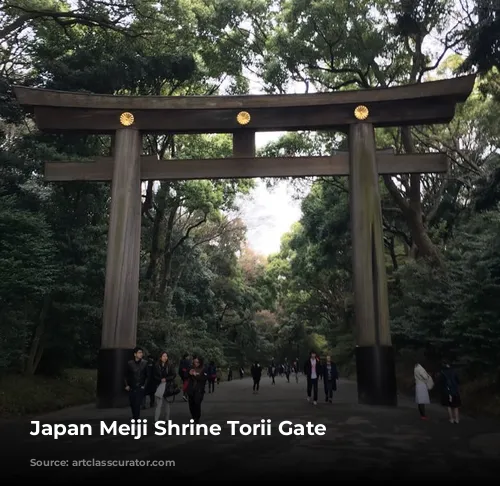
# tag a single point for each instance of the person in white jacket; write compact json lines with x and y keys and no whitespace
{"x":423,"y":383}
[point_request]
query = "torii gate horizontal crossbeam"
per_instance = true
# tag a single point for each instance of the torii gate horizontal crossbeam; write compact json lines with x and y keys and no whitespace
{"x":334,"y":165}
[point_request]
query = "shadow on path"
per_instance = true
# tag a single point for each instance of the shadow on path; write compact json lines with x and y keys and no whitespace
{"x":360,"y":442}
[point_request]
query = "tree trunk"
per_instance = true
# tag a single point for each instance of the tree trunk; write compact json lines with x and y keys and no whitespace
{"x":168,"y":253}
{"x":154,"y":255}
{"x":37,"y":343}
{"x":412,"y":208}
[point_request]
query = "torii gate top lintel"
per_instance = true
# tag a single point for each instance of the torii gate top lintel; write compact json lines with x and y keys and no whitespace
{"x":416,"y":104}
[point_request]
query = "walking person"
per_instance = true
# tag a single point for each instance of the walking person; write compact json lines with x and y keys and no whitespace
{"x":286,"y":369}
{"x":164,"y":375}
{"x":196,"y":388}
{"x":312,"y":370}
{"x":150,"y":389}
{"x":184,"y":367}
{"x":272,"y":372}
{"x":296,"y":370}
{"x":330,"y":377}
{"x":256,"y":372}
{"x":423,"y":383}
{"x":320,"y":377}
{"x":211,"y":376}
{"x":229,"y":374}
{"x":136,"y":381}
{"x":450,"y":392}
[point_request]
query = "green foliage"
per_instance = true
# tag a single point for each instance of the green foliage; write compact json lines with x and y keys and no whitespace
{"x":202,"y":290}
{"x":480,"y":34}
{"x":195,"y":295}
{"x":28,"y":395}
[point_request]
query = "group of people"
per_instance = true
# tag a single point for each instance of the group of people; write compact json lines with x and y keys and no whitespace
{"x":448,"y":384}
{"x":143,"y":376}
{"x":230,"y":373}
{"x":158,"y":381}
{"x":283,"y":369}
{"x":314,"y":370}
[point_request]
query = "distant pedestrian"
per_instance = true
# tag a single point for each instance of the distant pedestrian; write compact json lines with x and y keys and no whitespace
{"x":286,"y":369}
{"x":211,"y":376}
{"x":423,"y":383}
{"x":450,"y":392}
{"x":196,"y":388}
{"x":256,"y":372}
{"x":152,"y":385}
{"x":330,"y":377}
{"x":312,"y":370}
{"x":272,"y":371}
{"x":184,"y":367}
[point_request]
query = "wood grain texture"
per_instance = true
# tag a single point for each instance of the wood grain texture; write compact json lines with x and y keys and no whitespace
{"x":457,"y":88}
{"x":245,"y":167}
{"x":418,"y":104}
{"x":371,"y":306}
{"x":244,"y":143}
{"x":121,"y":295}
{"x":334,"y":118}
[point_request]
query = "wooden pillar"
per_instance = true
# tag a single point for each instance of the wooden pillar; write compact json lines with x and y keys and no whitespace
{"x":244,"y":143}
{"x":374,"y":353}
{"x":121,"y":294}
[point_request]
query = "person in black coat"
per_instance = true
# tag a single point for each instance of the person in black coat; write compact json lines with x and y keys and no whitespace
{"x":136,"y":381}
{"x":184,"y":367}
{"x":272,"y":371}
{"x":330,"y":377}
{"x":151,"y":386}
{"x":163,"y":372}
{"x":196,"y":388}
{"x":312,"y":370}
{"x":450,"y":392}
{"x":256,"y":372}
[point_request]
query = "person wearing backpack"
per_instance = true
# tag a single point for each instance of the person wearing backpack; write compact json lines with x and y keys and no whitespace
{"x":423,"y":383}
{"x":450,"y":393}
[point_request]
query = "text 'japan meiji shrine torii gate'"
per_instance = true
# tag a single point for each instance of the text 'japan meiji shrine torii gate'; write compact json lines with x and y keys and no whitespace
{"x":353,"y":112}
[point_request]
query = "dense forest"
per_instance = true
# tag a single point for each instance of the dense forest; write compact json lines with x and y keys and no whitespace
{"x":202,"y":287}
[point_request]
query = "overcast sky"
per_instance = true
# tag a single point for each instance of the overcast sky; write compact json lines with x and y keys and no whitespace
{"x":269,"y":213}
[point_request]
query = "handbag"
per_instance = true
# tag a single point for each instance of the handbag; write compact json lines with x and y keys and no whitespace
{"x":160,"y":390}
{"x":171,"y":390}
{"x":430,"y":383}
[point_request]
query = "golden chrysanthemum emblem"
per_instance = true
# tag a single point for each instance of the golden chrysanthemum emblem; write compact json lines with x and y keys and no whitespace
{"x":243,"y":118}
{"x":361,"y":112}
{"x":126,"y":119}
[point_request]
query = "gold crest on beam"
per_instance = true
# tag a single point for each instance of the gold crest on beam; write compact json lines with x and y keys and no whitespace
{"x":126,"y":119}
{"x":361,"y":112}
{"x":243,"y":118}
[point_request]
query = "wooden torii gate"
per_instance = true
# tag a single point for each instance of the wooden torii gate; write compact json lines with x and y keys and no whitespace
{"x":353,"y":112}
